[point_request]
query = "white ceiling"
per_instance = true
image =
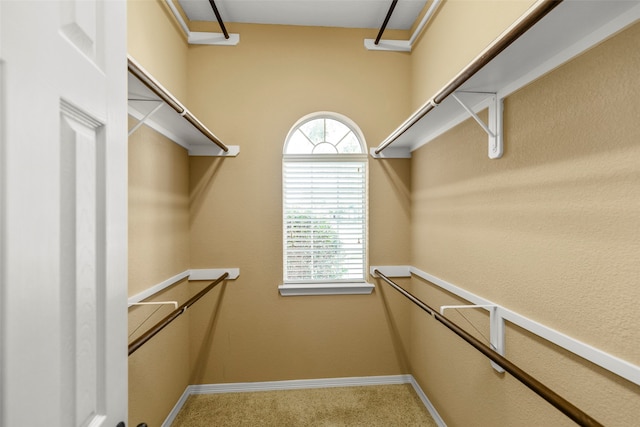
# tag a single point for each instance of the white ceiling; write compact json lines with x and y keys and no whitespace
{"x":324,"y":13}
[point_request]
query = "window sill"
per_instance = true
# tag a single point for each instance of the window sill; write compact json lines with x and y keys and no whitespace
{"x":300,"y":289}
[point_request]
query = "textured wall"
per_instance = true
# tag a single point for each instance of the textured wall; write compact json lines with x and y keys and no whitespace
{"x":251,"y":95}
{"x":550,"y":231}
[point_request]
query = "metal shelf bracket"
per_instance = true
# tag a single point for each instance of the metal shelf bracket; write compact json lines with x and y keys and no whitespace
{"x":494,"y":127}
{"x":496,"y":328}
{"x":146,"y":117}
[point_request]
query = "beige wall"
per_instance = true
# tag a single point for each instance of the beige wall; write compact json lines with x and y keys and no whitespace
{"x":549,"y":231}
{"x":251,"y":95}
{"x":158,"y":249}
{"x":157,"y":42}
{"x":158,"y":209}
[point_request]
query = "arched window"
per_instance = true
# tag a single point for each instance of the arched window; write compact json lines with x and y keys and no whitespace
{"x":324,"y":201}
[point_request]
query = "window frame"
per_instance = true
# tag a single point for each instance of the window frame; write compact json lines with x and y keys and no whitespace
{"x":328,"y":287}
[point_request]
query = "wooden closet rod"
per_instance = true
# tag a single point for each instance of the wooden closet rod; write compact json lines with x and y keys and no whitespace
{"x":567,"y":408}
{"x":138,"y":342}
{"x":155,"y":87}
{"x":483,"y":59}
{"x":386,"y":21}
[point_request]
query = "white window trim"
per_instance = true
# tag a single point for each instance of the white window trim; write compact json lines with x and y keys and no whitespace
{"x":302,"y":289}
{"x":332,"y":288}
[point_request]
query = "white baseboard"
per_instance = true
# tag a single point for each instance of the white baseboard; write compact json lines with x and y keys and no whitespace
{"x":302,"y":384}
{"x":176,"y":408}
{"x":298,"y":384}
{"x":427,"y":403}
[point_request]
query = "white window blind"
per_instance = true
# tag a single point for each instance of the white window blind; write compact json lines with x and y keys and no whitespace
{"x":324,"y":203}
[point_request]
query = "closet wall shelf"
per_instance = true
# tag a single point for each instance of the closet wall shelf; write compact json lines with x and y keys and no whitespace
{"x":569,"y":29}
{"x":499,"y":315}
{"x":191,"y":275}
{"x":151,"y":104}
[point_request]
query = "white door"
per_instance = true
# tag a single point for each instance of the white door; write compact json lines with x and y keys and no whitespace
{"x":63,"y":225}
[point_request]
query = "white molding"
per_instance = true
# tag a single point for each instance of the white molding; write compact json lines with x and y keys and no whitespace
{"x":197,"y":274}
{"x":177,"y":407}
{"x":302,"y":289}
{"x":213,"y":273}
{"x":426,"y":402}
{"x":594,"y":355}
{"x":302,"y":384}
{"x":298,"y":384}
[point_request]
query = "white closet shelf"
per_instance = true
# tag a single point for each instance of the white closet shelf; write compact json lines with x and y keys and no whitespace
{"x":569,"y":29}
{"x":156,"y":107}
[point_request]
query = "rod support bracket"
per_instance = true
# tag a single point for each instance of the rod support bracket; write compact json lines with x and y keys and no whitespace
{"x":496,"y":328}
{"x":146,"y":117}
{"x":494,"y":127}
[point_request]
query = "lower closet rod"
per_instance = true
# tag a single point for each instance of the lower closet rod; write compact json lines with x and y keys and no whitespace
{"x":567,"y":408}
{"x":138,"y":342}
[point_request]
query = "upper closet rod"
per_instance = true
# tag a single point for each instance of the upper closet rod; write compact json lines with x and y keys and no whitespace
{"x":156,"y":87}
{"x":138,"y":342}
{"x":219,"y":18}
{"x":542,"y":390}
{"x":533,"y":16}
{"x":386,"y":21}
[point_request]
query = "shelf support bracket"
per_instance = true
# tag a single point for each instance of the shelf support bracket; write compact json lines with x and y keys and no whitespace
{"x":496,"y":328}
{"x":145,"y":118}
{"x":494,"y":128}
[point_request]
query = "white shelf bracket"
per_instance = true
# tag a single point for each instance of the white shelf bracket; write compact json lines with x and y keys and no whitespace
{"x":494,"y":127}
{"x":195,"y":37}
{"x":496,"y":328}
{"x":145,"y":118}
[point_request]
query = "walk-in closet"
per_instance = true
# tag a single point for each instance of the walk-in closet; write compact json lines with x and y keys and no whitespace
{"x":319,"y":212}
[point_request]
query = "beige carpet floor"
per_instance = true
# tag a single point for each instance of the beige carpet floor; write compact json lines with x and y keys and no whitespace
{"x":387,"y":405}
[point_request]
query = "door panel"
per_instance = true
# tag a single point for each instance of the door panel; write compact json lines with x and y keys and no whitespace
{"x":80,"y":23}
{"x":82,"y":271}
{"x":63,"y":214}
